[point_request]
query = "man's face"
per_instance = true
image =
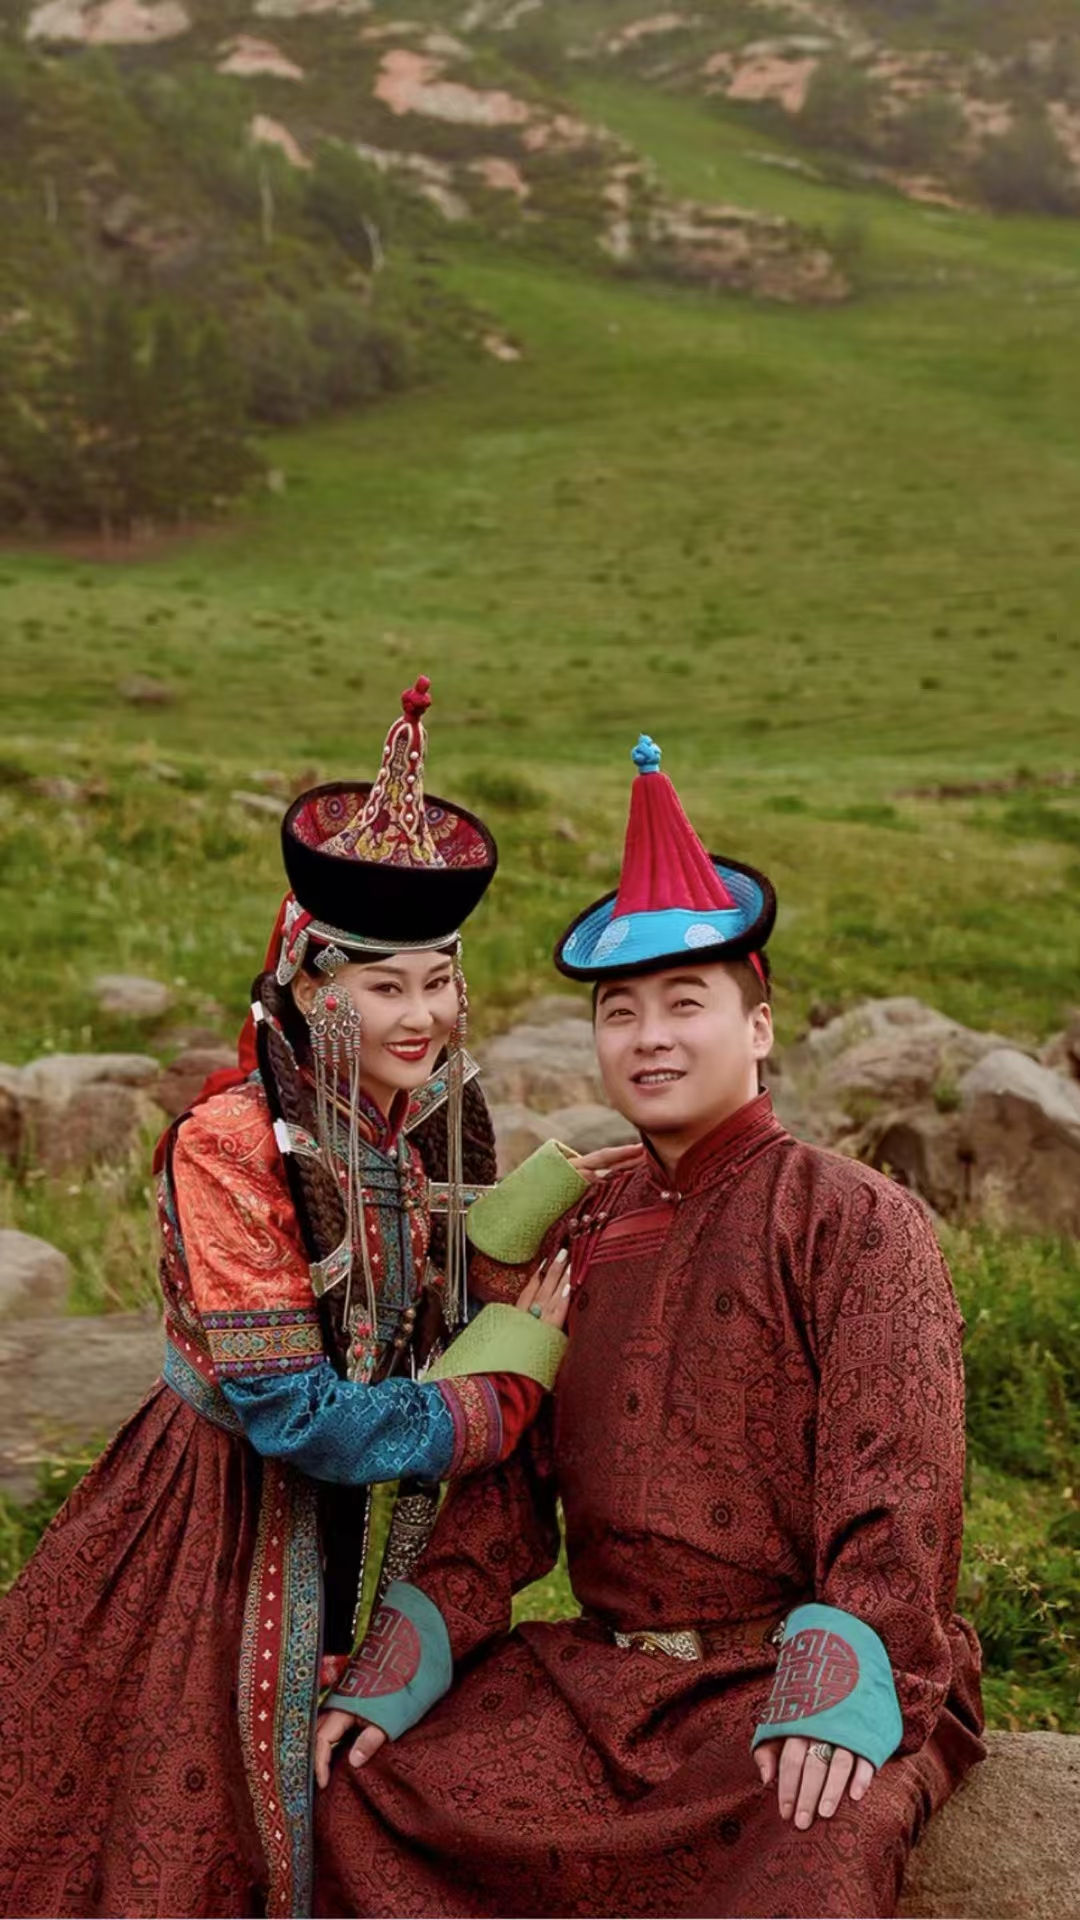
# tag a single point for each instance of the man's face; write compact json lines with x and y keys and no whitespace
{"x":678,"y":1051}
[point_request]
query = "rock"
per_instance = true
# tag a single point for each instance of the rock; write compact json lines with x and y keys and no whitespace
{"x":247,"y":57}
{"x":889,"y":1053}
{"x":58,"y":1077}
{"x":131,"y":996}
{"x":57,"y":786}
{"x":1004,"y":1847}
{"x":270,"y":780}
{"x":1020,"y":1131}
{"x":588,"y":1127}
{"x":550,"y":1008}
{"x":923,"y":1150}
{"x":81,"y":1109}
{"x":264,"y":132}
{"x":742,"y":251}
{"x":141,"y":691}
{"x":114,"y":23}
{"x":1063,"y":1051}
{"x":11,"y":1113}
{"x":66,"y":1384}
{"x":543,"y":1066}
{"x":411,"y":82}
{"x":35,"y":1278}
{"x":264,"y":803}
{"x":183,"y":1080}
{"x":518,"y":1132}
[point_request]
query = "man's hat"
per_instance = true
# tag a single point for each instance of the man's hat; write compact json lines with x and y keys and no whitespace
{"x":673,"y":900}
{"x":380,"y":867}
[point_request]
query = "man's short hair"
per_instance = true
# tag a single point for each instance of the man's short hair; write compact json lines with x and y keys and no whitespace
{"x":751,"y":987}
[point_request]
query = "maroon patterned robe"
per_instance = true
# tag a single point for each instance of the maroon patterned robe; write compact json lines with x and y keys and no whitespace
{"x":762,"y":1404}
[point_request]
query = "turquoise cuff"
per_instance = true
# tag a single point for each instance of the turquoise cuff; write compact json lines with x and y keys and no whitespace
{"x":833,"y":1682}
{"x":402,"y":1666}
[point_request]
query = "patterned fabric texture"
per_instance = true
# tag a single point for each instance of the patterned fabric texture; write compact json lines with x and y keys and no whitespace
{"x":158,"y":1655}
{"x":761,"y":1405}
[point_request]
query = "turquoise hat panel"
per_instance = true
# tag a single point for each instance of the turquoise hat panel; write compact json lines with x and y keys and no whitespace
{"x":603,"y":941}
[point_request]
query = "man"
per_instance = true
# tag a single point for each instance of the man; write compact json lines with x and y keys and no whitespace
{"x":757,"y":1439}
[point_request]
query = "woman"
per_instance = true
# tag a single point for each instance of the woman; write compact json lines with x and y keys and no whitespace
{"x":160,"y":1655}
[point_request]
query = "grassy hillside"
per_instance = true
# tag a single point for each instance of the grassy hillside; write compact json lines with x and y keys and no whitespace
{"x":830,"y":559}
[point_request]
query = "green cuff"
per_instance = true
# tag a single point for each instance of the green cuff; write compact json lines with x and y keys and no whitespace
{"x":510,"y":1223}
{"x":403,"y":1665}
{"x":503,"y":1339}
{"x":833,"y":1682}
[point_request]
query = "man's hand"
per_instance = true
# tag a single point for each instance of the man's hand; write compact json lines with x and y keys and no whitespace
{"x":807,"y":1785}
{"x":332,"y":1727}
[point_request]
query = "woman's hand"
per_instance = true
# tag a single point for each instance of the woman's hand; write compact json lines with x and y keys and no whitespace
{"x":549,"y":1290}
{"x":597,"y":1166}
{"x":332,"y":1727}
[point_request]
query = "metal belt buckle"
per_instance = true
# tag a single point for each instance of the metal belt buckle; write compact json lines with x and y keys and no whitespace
{"x":684,"y":1644}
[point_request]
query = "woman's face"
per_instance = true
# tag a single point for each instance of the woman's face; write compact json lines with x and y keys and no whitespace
{"x":408,"y":1004}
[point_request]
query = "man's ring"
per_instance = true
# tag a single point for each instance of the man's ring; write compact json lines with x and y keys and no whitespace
{"x":822,"y":1750}
{"x":536,"y":1311}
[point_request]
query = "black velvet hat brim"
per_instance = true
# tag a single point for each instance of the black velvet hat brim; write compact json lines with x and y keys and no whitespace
{"x":419,"y":906}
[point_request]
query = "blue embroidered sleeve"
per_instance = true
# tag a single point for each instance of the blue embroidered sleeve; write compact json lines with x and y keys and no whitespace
{"x":346,"y":1430}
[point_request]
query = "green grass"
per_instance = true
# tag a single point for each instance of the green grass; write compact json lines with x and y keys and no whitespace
{"x":825,"y":557}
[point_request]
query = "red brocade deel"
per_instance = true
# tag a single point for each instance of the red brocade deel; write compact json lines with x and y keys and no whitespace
{"x":761,"y":1404}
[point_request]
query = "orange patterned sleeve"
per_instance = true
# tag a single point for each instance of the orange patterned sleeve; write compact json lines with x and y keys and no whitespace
{"x":249,"y":1275}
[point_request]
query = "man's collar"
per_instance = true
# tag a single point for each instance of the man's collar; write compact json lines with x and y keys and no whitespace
{"x":721,"y":1151}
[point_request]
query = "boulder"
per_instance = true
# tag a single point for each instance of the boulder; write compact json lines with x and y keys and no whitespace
{"x":543,"y":1066}
{"x":551,"y":1009}
{"x":891,"y":1052}
{"x":11,"y":1113}
{"x":924,"y":1151}
{"x":518,"y":1132}
{"x":1004,"y":1847}
{"x":1020,"y":1133}
{"x":82,"y":1109}
{"x":1063,"y":1051}
{"x":131,"y":996}
{"x":264,"y":803}
{"x":182,"y":1081}
{"x":66,"y":1384}
{"x":35,"y":1277}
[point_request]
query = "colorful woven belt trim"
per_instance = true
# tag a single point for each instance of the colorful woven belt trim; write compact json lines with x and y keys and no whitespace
{"x":202,"y":1395}
{"x":278,"y":1340}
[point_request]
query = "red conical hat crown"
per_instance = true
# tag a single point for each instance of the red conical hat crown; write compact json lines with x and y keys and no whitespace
{"x":664,"y":862}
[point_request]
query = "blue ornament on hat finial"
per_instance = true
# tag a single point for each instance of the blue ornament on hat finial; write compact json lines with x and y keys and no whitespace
{"x":646,"y":756}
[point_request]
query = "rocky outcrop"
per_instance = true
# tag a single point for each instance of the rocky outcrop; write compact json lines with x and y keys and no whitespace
{"x":71,"y":1111}
{"x":544,"y":1064}
{"x":1004,"y":1848}
{"x":1020,"y":1137}
{"x":738,"y":251}
{"x":131,"y":996}
{"x":183,"y":1080}
{"x":66,"y":1384}
{"x":35,"y":1277}
{"x":977,"y":1127}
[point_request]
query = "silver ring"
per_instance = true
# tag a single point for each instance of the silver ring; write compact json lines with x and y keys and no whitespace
{"x":536,"y":1311}
{"x":823,"y":1750}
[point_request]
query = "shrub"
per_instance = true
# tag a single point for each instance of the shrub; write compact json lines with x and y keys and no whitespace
{"x":841,"y":108}
{"x":1027,"y":171}
{"x":928,"y":134}
{"x":352,"y":201}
